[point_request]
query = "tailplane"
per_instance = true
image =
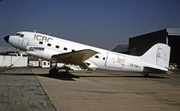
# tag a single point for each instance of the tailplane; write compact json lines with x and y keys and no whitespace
{"x":158,"y":56}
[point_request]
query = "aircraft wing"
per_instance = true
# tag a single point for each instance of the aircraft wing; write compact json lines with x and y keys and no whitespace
{"x":76,"y":57}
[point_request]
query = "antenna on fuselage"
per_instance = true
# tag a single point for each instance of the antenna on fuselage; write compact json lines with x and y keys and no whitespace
{"x":16,"y":52}
{"x":35,"y":31}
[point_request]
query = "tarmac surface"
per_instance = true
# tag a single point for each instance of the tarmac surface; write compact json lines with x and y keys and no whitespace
{"x":20,"y":90}
{"x":33,"y":89}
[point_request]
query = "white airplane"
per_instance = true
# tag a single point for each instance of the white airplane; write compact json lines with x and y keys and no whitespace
{"x":155,"y":60}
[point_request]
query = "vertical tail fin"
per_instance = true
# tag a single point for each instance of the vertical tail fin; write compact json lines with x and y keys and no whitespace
{"x":158,"y":55}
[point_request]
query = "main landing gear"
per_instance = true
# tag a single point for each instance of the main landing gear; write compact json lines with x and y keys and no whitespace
{"x":145,"y":74}
{"x":54,"y":71}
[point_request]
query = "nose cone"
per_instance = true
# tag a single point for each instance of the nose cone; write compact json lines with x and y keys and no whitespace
{"x":6,"y":39}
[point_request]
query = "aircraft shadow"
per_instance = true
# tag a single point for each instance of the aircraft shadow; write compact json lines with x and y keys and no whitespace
{"x":62,"y":76}
{"x":130,"y":75}
{"x":70,"y":77}
{"x":145,"y":77}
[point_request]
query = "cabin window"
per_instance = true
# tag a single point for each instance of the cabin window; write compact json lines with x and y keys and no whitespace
{"x":40,"y":42}
{"x":57,"y":46}
{"x":65,"y":48}
{"x":96,"y":56}
{"x":103,"y":58}
{"x":48,"y":44}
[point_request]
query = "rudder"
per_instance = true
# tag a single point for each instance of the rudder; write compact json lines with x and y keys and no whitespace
{"x":159,"y":55}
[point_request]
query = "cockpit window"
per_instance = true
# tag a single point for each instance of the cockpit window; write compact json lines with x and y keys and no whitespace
{"x":20,"y":35}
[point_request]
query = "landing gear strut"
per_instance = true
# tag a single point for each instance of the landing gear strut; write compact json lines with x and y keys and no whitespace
{"x":54,"y":71}
{"x":146,"y":74}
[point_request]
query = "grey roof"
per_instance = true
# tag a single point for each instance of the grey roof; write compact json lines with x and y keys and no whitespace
{"x":173,"y":31}
{"x":120,"y":48}
{"x":10,"y":51}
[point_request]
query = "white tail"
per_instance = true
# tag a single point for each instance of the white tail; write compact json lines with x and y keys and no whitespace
{"x":158,"y":55}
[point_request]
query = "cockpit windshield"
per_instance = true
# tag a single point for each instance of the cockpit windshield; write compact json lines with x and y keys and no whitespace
{"x":20,"y":35}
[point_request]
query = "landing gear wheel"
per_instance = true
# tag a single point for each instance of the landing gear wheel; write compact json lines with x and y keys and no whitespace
{"x":53,"y":72}
{"x":146,"y":74}
{"x":67,"y":70}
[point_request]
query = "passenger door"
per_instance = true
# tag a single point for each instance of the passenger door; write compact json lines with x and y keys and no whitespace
{"x":115,"y":60}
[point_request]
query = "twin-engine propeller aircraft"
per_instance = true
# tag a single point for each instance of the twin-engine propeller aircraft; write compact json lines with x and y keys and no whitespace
{"x":155,"y":60}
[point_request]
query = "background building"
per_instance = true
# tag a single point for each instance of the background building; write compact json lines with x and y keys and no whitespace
{"x":138,"y":45}
{"x":11,"y":57}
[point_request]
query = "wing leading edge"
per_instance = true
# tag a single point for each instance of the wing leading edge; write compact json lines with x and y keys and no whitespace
{"x":76,"y":57}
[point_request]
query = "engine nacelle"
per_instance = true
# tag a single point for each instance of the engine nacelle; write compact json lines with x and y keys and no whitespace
{"x":40,"y":52}
{"x":49,"y":53}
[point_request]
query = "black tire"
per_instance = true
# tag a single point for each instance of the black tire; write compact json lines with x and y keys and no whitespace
{"x":67,"y":70}
{"x":53,"y":72}
{"x":146,"y":74}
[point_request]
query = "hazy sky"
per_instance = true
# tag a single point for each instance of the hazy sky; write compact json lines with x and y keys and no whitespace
{"x":102,"y":23}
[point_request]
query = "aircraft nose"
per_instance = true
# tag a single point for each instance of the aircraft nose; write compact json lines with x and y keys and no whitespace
{"x":6,"y":39}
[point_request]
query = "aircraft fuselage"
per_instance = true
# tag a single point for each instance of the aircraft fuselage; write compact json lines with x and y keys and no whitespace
{"x":45,"y":46}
